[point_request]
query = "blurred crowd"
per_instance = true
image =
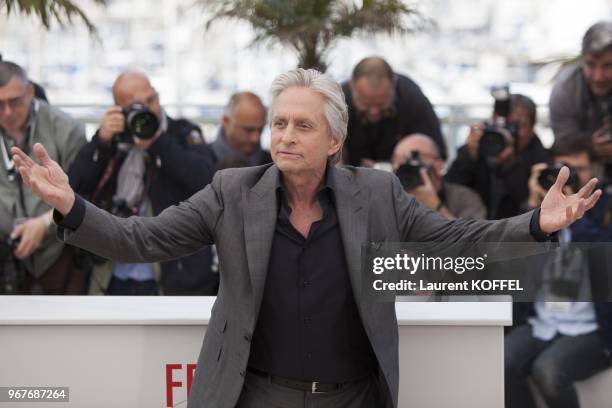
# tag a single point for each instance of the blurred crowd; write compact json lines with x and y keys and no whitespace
{"x":141,"y":161}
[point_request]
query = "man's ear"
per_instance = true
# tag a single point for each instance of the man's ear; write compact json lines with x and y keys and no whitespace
{"x":439,"y":167}
{"x":225,"y":122}
{"x":30,"y":90}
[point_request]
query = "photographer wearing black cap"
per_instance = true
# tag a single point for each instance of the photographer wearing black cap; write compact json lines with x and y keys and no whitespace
{"x":139,"y":162}
{"x":581,"y":99}
{"x":497,"y":158}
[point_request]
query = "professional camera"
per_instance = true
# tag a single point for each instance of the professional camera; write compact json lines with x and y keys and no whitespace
{"x":548,"y":176}
{"x":11,"y":271}
{"x":494,"y":140}
{"x":139,"y":122}
{"x":409,"y":173}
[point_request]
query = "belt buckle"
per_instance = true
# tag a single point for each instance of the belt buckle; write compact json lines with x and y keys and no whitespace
{"x":314,"y":388}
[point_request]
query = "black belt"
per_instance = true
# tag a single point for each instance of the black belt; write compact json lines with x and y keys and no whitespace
{"x":314,"y":387}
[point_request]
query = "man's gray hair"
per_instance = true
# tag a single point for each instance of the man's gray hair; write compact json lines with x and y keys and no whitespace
{"x":336,"y":111}
{"x":10,"y":70}
{"x":598,"y":38}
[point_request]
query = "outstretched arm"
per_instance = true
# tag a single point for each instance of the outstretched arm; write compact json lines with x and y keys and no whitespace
{"x":177,"y":231}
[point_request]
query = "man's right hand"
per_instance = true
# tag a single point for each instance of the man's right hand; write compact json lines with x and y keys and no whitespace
{"x":113,"y":123}
{"x":47,"y":179}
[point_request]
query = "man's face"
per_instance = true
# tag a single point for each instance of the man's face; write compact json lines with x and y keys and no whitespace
{"x":300,"y":138}
{"x":372,"y":100}
{"x":519,"y":116}
{"x":579,"y":162}
{"x":243,"y":128}
{"x":598,"y":72}
{"x":138,"y":90}
{"x":15,"y":101}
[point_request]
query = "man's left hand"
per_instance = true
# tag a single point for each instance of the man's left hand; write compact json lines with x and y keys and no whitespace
{"x":426,"y":193}
{"x":31,"y":233}
{"x":559,"y":210}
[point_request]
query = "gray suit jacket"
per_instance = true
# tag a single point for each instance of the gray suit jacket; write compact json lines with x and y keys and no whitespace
{"x":238,"y":213}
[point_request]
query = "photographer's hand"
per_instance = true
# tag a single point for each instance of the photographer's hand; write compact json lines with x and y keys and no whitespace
{"x":426,"y":193}
{"x":602,"y":143}
{"x":113,"y":123}
{"x":559,"y":210}
{"x":47,"y":179}
{"x":536,"y":192}
{"x":473,"y":140}
{"x":31,"y":234}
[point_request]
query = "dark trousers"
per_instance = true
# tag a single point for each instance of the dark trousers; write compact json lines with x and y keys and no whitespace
{"x":553,"y":365}
{"x":258,"y":392}
{"x":131,"y":287}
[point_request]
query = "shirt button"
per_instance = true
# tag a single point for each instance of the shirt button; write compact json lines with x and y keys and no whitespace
{"x":307,"y":320}
{"x":308,"y":355}
{"x":305,"y":283}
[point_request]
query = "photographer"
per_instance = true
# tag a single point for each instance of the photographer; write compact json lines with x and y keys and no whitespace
{"x":497,"y":158}
{"x":383,"y":106}
{"x":139,"y":162}
{"x":32,"y":260}
{"x":581,"y":99}
{"x":564,"y":342}
{"x":417,"y":162}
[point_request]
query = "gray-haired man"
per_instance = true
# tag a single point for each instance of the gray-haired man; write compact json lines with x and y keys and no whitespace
{"x":581,"y":99}
{"x":290,"y":326}
{"x":44,"y":264}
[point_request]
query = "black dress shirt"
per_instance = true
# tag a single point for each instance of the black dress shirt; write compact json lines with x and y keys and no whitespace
{"x":309,"y":327}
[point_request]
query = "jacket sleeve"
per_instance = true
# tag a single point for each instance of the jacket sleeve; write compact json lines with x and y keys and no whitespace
{"x":178,"y":231}
{"x":419,"y":224}
{"x":190,"y":166}
{"x":74,"y":141}
{"x":565,"y":115}
{"x":463,"y":170}
{"x":423,"y":118}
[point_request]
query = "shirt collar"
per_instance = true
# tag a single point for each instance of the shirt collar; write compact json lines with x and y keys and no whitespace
{"x":325,"y":193}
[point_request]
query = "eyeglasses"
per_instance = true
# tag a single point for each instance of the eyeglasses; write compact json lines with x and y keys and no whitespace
{"x":13,"y":103}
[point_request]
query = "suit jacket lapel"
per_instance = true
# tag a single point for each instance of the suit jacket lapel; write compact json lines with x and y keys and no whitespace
{"x":351,"y":207}
{"x":260,"y":213}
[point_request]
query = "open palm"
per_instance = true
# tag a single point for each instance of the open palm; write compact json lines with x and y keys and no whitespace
{"x":559,"y":210}
{"x":47,"y":179}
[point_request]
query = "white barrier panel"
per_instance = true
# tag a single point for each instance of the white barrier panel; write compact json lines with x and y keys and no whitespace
{"x":141,"y":351}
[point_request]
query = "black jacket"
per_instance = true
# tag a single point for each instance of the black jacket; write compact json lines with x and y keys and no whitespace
{"x":510,"y":184}
{"x":177,"y":169}
{"x":411,"y":112}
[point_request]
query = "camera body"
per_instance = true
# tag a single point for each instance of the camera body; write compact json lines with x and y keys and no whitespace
{"x":549,"y":175}
{"x":11,"y":271}
{"x":409,"y":173}
{"x":494,"y":140}
{"x":139,"y":122}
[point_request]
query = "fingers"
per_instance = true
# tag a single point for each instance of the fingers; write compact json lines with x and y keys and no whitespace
{"x":592,"y":200}
{"x":17,"y":231}
{"x":425,"y":177}
{"x":586,"y":190}
{"x":20,"y":158}
{"x":42,"y":155}
{"x":561,"y":179}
